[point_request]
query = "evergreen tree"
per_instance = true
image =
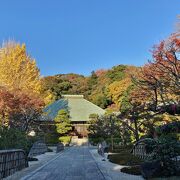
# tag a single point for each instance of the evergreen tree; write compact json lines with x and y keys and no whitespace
{"x":63,"y":123}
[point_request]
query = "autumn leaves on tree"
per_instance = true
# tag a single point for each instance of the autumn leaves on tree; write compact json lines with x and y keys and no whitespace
{"x":148,"y":96}
{"x":20,"y":86}
{"x":141,"y":94}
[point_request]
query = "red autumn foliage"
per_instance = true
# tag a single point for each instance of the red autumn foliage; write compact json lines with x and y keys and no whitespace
{"x":100,"y":72}
{"x":161,"y":76}
{"x":18,"y":108}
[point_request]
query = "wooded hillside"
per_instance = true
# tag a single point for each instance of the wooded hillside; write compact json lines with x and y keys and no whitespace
{"x":105,"y":88}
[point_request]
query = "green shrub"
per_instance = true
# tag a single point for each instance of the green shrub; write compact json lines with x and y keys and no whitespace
{"x":49,"y":150}
{"x":120,"y":149}
{"x":65,"y":139}
{"x":124,"y":158}
{"x":32,"y":159}
{"x":51,"y":138}
{"x":95,"y":141}
{"x":135,"y":170}
{"x":116,"y":141}
{"x":14,"y":139}
{"x":166,"y":148}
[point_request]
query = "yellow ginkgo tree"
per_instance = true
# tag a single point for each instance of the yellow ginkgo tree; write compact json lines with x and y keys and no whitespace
{"x":18,"y":71}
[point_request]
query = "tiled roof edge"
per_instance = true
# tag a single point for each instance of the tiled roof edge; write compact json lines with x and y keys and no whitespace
{"x":72,"y":96}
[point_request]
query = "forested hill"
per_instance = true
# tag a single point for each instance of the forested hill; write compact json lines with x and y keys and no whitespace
{"x":105,"y":88}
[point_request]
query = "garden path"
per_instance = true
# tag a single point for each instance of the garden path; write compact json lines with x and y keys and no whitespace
{"x":79,"y":163}
{"x":76,"y":163}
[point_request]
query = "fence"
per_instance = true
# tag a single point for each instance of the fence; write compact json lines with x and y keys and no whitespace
{"x":139,"y":150}
{"x":12,"y":161}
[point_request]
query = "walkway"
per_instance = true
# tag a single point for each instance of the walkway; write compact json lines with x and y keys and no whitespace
{"x":76,"y":163}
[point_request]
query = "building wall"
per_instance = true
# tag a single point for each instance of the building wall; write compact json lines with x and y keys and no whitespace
{"x":80,"y":129}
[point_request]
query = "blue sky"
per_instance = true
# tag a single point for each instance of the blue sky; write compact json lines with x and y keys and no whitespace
{"x":83,"y":35}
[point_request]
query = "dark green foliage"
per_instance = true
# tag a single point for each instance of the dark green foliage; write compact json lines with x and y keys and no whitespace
{"x":92,"y":79}
{"x":149,"y":144}
{"x":116,"y":141}
{"x":15,"y":139}
{"x":64,"y":84}
{"x":124,"y":157}
{"x":122,"y":148}
{"x":166,"y":148}
{"x":135,"y":170}
{"x":32,"y":159}
{"x":117,"y":73}
{"x":125,"y":104}
{"x":109,"y":126}
{"x":95,"y":140}
{"x":49,"y":150}
{"x":102,"y":101}
{"x":63,"y":124}
{"x":51,"y":138}
{"x":173,"y":127}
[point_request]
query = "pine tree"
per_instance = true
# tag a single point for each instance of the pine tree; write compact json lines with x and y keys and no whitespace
{"x":63,"y":123}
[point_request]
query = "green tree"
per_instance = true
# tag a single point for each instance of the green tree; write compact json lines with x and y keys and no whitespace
{"x":92,"y":81}
{"x":106,"y":126}
{"x":63,"y":123}
{"x":117,"y":72}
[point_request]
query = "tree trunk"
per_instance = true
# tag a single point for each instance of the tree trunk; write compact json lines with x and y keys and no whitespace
{"x":156,"y":99}
{"x":112,"y":143}
{"x":136,"y":133}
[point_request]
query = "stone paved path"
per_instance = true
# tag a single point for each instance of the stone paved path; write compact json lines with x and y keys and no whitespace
{"x":75,"y":164}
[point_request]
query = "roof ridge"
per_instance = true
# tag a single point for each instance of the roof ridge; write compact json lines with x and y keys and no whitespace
{"x":72,"y":96}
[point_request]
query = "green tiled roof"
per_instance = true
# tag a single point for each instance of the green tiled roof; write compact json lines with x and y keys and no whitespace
{"x":79,"y":108}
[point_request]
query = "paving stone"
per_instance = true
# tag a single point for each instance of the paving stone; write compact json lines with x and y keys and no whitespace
{"x":75,"y":164}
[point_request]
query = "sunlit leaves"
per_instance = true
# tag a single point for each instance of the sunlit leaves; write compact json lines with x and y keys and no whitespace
{"x":17,"y":69}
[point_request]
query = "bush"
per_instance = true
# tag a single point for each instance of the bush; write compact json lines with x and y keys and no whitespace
{"x":124,"y":158}
{"x":95,"y":141}
{"x":32,"y":159}
{"x":135,"y":170}
{"x":49,"y":150}
{"x":120,"y":149}
{"x":15,"y":139}
{"x":51,"y":138}
{"x":116,"y":141}
{"x":167,"y":147}
{"x":173,"y":127}
{"x":65,"y":139}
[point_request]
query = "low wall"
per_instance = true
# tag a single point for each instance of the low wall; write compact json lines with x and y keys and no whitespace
{"x":12,"y":161}
{"x":37,"y":149}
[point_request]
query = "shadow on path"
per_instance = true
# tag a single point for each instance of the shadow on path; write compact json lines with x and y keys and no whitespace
{"x":76,"y":163}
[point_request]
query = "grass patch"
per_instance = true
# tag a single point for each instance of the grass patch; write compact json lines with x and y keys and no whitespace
{"x":124,"y":156}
